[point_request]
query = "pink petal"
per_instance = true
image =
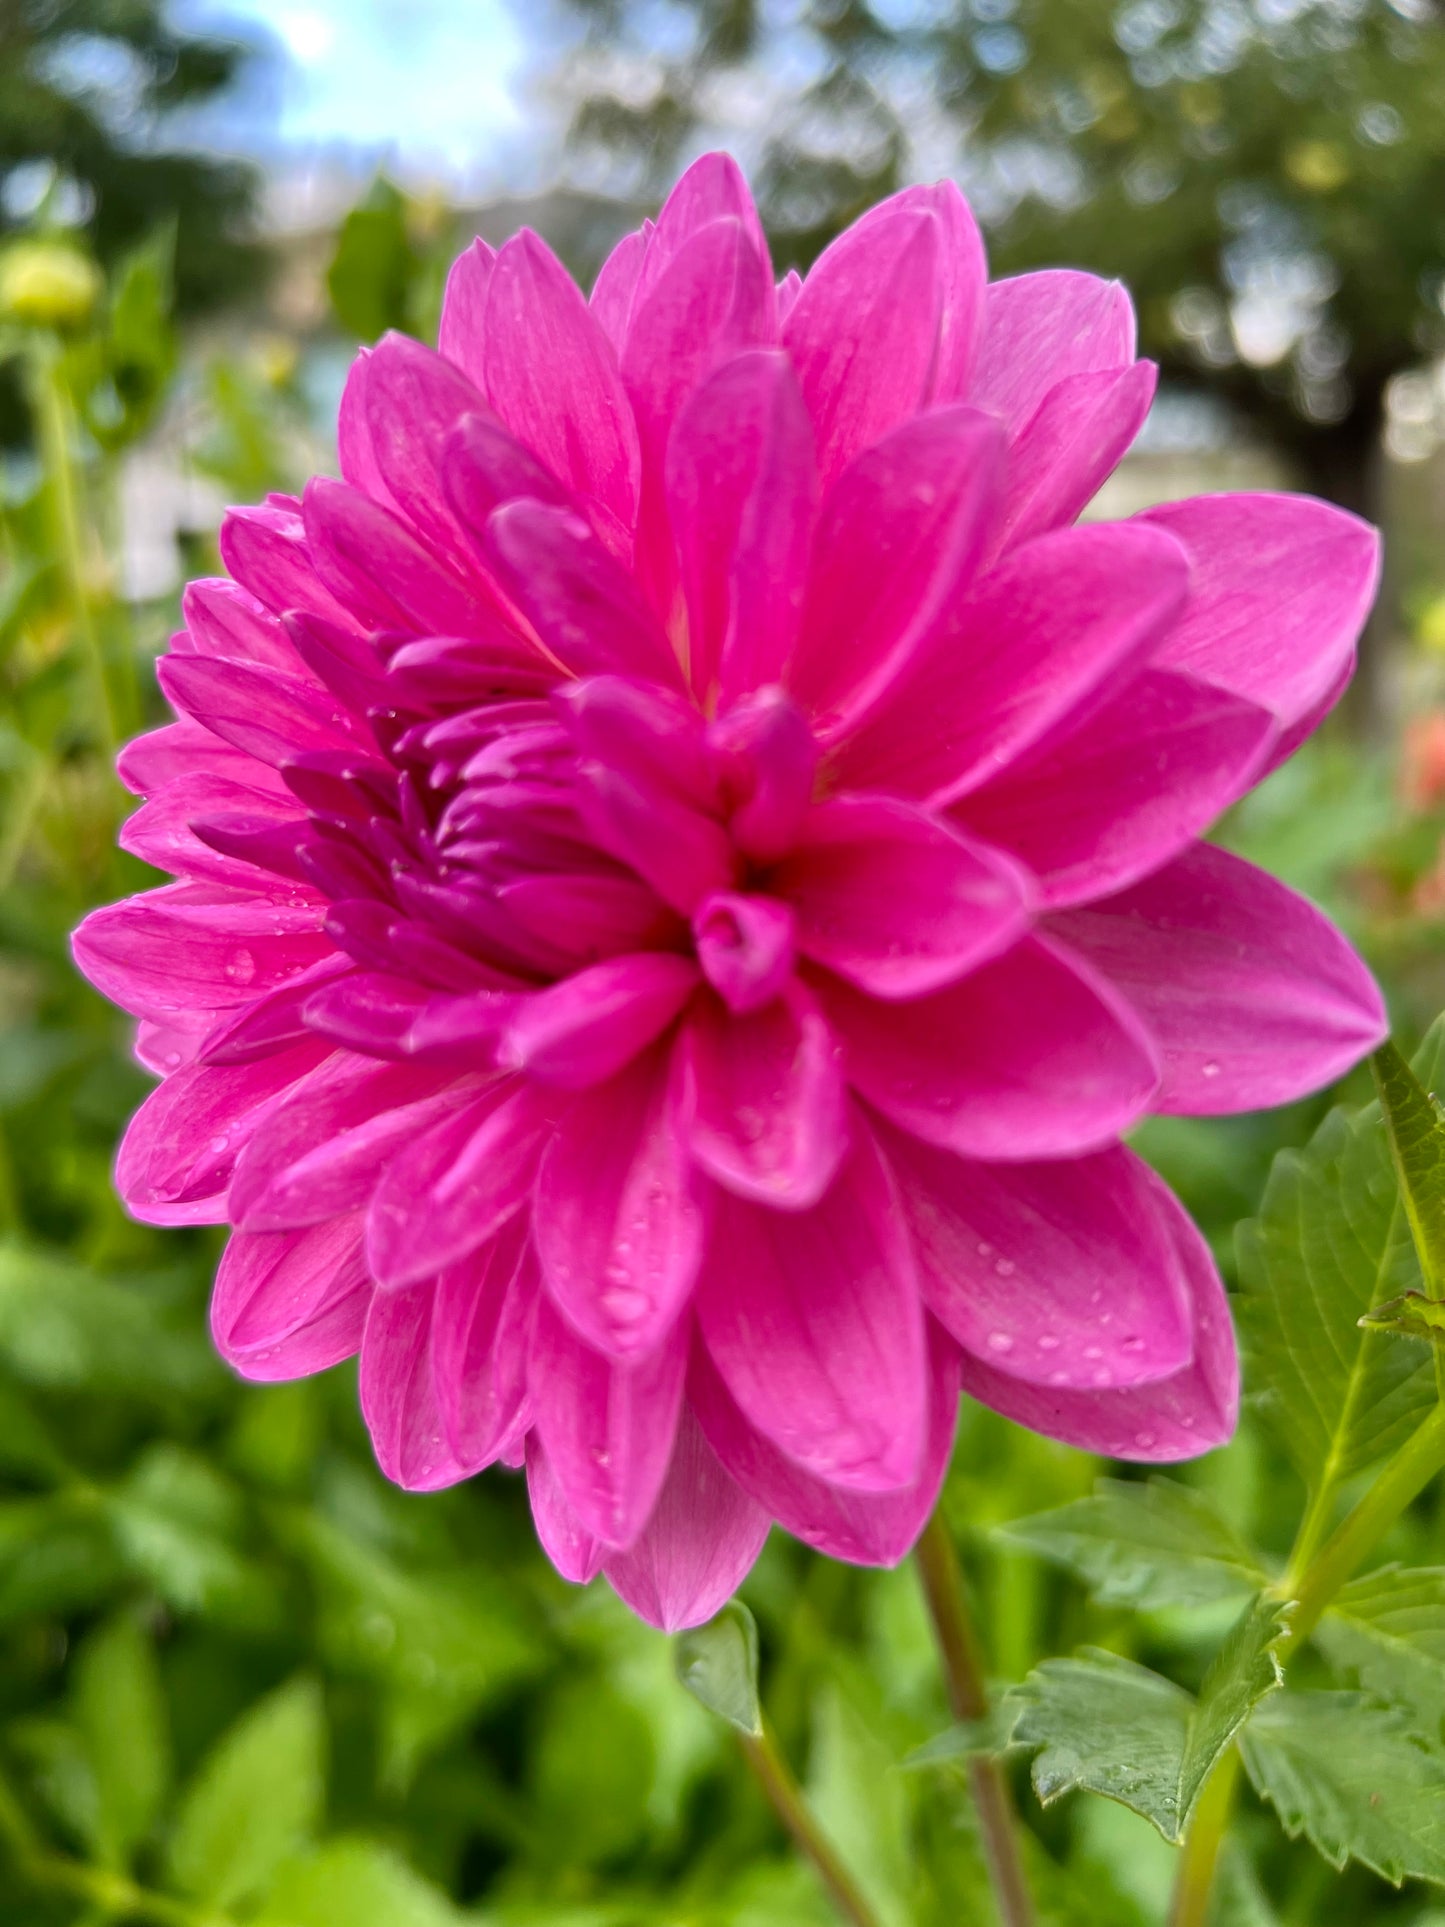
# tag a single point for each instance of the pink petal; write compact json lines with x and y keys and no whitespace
{"x":1253,"y":996}
{"x":618,"y":1218}
{"x":592,"y":916}
{"x":582,"y":605}
{"x":742,"y":489}
{"x":268,"y":714}
{"x":454,"y":1186}
{"x":1033,"y":1056}
{"x":651,"y":734}
{"x":1082,"y":430}
{"x":273,"y":1022}
{"x":1059,"y":621}
{"x":898,"y":902}
{"x":573,"y":1550}
{"x":863,"y":333}
{"x":267,"y":551}
{"x":1174,"y":1418}
{"x":462,"y":335}
{"x":160,"y":832}
{"x":814,"y":1323}
{"x":902,"y":534}
{"x":1280,"y":590}
{"x":607,"y":1428}
{"x":714,"y":188}
{"x":1064,"y":1273}
{"x":868,"y":1528}
{"x":767,"y":759}
{"x":763,"y":1101}
{"x":398,"y":1397}
{"x":175,"y":1161}
{"x":697,"y":1547}
{"x":196,"y":946}
{"x":616,"y":287}
{"x":291,"y":1303}
{"x":414,"y":400}
{"x":587,"y":1027}
{"x":1098,"y":803}
{"x":1040,"y":329}
{"x":185,"y":748}
{"x":552,"y":376}
{"x":356,"y":458}
{"x":223,"y":620}
{"x":683,"y":853}
{"x":325,"y":1150}
{"x":481,"y":1335}
{"x":964,"y":292}
{"x":384,"y":572}
{"x":745,"y":946}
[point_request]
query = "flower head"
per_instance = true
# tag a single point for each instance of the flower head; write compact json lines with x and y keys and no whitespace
{"x":689,"y":866}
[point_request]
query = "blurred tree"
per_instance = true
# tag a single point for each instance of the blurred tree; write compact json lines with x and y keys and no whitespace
{"x":1268,"y":176}
{"x":86,"y":90}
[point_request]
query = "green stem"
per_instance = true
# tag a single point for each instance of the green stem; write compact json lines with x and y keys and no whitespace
{"x":1312,"y":1579}
{"x":784,"y":1796}
{"x":963,"y":1671}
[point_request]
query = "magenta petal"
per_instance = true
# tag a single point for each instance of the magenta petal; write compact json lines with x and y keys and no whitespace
{"x":1253,"y":996}
{"x":742,"y":489}
{"x":552,"y":376}
{"x":455,"y":1186}
{"x":160,"y":831}
{"x":607,"y":1428}
{"x":290,"y":1303}
{"x":767,"y":761}
{"x":185,"y":749}
{"x":1173,"y":1418}
{"x":175,"y":1161}
{"x":963,"y":271}
{"x":1100,"y":802}
{"x":398,"y":1397}
{"x":615,"y":288}
{"x":902,"y":533}
{"x":714,"y":188}
{"x":1059,"y":622}
{"x":195,"y":946}
{"x":1280,"y":589}
{"x":898,"y":902}
{"x":763,"y":1100}
{"x":1040,"y":329}
{"x":814,"y":1322}
{"x":1063,"y":1273}
{"x":618,"y":1216}
{"x":223,"y":620}
{"x":267,"y":551}
{"x":1082,"y":430}
{"x":863,"y":333}
{"x":380,"y":568}
{"x":355,"y":455}
{"x":590,"y":916}
{"x":414,"y":400}
{"x":745,"y":947}
{"x":698,"y":1545}
{"x":462,"y":334}
{"x":588,"y":1026}
{"x":1033,"y":1056}
{"x":268,"y":714}
{"x":481,"y":1335}
{"x":868,"y":1528}
{"x":574,"y":1551}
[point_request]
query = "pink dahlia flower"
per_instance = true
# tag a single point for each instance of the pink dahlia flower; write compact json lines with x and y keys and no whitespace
{"x":688,"y":868}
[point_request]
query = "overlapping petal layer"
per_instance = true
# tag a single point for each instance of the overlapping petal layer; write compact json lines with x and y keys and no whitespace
{"x":688,"y":864}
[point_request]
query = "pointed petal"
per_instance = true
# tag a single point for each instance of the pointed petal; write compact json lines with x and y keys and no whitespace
{"x":1098,"y":803}
{"x":607,"y":1428}
{"x":762,"y":1099}
{"x":1042,"y":328}
{"x":1174,"y":1418}
{"x":223,"y":620}
{"x":573,"y":1550}
{"x":414,"y":401}
{"x":1253,"y":996}
{"x":1054,"y":625}
{"x":618,"y":1217}
{"x":290,"y":1303}
{"x":898,"y":902}
{"x":814,"y":1323}
{"x":697,"y":1547}
{"x":481,"y":1337}
{"x":267,"y":551}
{"x":868,"y":1528}
{"x":1281,"y":587}
{"x":462,"y":335}
{"x":1081,"y":432}
{"x":591,"y":1025}
{"x":615,"y":288}
{"x":1064,"y":1273}
{"x":1033,"y":1056}
{"x":398,"y":1398}
{"x":387,"y":575}
{"x":268,"y":714}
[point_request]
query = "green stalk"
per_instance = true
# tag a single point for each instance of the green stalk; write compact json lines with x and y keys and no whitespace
{"x":964,"y":1676}
{"x":785,"y":1797}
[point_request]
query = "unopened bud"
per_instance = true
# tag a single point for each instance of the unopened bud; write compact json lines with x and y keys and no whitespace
{"x":46,"y":284}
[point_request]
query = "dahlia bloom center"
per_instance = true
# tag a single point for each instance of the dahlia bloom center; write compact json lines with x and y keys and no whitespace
{"x":689,"y":863}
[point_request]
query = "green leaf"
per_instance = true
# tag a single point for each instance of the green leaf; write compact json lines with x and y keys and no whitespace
{"x":718,"y":1664}
{"x":120,"y":1709}
{"x":1417,"y":1138}
{"x":972,"y":1739}
{"x":257,"y":1798}
{"x":1412,"y":1315}
{"x":1390,"y":1628}
{"x":1111,"y":1727}
{"x":1331,"y":1243}
{"x":1146,"y":1546}
{"x":358,"y":1883}
{"x":1354,"y":1778}
{"x":64,"y":1328}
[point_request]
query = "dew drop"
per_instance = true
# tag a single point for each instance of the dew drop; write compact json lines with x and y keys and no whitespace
{"x":985,"y":1250}
{"x":1143,"y":1440}
{"x":1093,"y":1351}
{"x":1000,"y":1342}
{"x":1005,"y":1267}
{"x":1048,"y":1342}
{"x":1209,"y":1070}
{"x":220,"y":1143}
{"x":241,"y":968}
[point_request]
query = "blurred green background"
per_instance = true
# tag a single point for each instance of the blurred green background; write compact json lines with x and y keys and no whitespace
{"x":241,"y":1679}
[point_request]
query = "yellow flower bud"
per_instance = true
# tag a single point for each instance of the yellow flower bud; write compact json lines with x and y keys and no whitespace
{"x":47,"y":284}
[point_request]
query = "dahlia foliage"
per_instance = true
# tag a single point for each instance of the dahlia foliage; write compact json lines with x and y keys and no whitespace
{"x":687,"y":867}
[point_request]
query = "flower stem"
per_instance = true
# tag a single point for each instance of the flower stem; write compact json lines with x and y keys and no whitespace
{"x":784,"y":1796}
{"x":963,"y":1672}
{"x":1312,"y":1589}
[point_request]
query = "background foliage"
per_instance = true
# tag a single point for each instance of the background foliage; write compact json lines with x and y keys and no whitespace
{"x":241,"y":1679}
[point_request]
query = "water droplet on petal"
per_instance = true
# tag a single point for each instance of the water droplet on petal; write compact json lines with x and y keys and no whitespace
{"x":1144,"y":1440}
{"x":1000,"y":1342}
{"x":1005,"y":1267}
